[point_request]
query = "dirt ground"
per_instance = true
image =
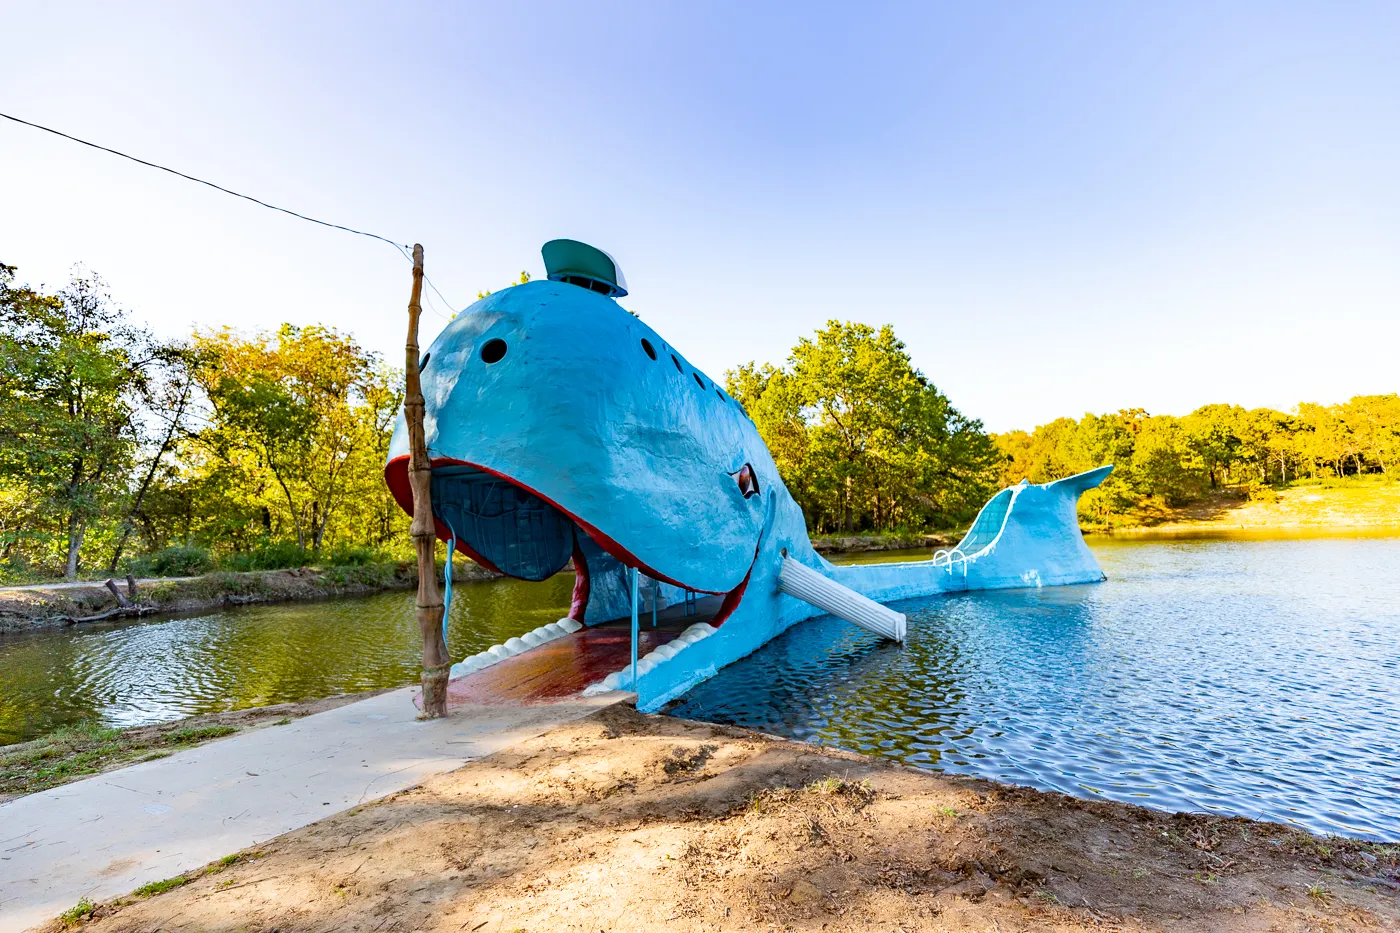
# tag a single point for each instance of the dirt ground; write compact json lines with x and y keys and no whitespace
{"x":625,"y":822}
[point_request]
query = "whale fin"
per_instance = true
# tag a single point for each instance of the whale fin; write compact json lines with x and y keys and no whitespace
{"x":1081,"y":482}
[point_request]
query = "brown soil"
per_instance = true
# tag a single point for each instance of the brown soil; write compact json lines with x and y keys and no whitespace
{"x":81,"y":751}
{"x":624,"y":822}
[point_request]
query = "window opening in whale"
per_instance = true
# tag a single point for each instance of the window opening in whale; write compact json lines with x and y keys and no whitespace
{"x":424,"y":361}
{"x":677,"y":362}
{"x":648,"y":349}
{"x":493,"y":351}
{"x":593,"y":285}
{"x":719,"y":393}
{"x":698,"y":381}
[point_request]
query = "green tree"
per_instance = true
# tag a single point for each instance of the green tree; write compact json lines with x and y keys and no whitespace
{"x":862,"y":438}
{"x":72,"y":378}
{"x":297,"y":418}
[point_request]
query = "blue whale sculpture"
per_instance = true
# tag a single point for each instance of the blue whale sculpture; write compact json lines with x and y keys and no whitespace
{"x":561,"y":427}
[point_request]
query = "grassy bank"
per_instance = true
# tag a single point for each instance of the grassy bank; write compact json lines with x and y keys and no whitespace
{"x":58,"y":604}
{"x":883,"y":541}
{"x":1353,"y":503}
{"x":624,"y":823}
{"x":76,"y":752}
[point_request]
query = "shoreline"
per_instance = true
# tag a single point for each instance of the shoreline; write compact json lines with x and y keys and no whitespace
{"x":76,"y":753}
{"x":41,"y":606}
{"x":37,"y":607}
{"x":1221,"y":530}
{"x":628,"y":822}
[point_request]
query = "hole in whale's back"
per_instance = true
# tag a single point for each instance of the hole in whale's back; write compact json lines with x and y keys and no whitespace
{"x":519,"y":532}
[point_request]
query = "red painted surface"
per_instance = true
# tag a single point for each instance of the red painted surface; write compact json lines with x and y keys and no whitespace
{"x":557,"y":669}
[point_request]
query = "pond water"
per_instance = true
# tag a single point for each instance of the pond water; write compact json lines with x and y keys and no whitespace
{"x":157,"y":670}
{"x":1257,"y":677}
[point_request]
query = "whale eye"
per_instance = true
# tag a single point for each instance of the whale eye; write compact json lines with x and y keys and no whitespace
{"x":747,"y":480}
{"x":493,"y":350}
{"x":648,"y":349}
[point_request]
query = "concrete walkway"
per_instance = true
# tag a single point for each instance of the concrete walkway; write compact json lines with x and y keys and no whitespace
{"x":105,"y":836}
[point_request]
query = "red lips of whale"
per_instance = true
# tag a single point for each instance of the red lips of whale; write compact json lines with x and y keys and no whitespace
{"x":396,"y":476}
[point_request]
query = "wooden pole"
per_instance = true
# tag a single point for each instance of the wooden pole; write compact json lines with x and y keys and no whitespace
{"x":420,"y":471}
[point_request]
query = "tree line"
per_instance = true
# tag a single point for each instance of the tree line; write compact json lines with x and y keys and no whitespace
{"x":1165,"y":461}
{"x":122,"y":450}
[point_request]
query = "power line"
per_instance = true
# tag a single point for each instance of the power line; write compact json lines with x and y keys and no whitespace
{"x":401,"y":247}
{"x":246,"y":197}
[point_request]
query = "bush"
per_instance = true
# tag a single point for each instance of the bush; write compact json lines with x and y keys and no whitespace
{"x":1260,"y":492}
{"x":174,"y":561}
{"x":350,"y":557}
{"x":268,"y":555}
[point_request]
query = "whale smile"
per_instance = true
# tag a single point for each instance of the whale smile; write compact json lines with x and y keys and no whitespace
{"x":510,"y":528}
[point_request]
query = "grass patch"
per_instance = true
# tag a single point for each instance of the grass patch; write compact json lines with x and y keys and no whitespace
{"x":160,"y":887}
{"x":1319,"y":893}
{"x":201,"y":734}
{"x":74,"y":752}
{"x":77,"y":912}
{"x":213,"y":868}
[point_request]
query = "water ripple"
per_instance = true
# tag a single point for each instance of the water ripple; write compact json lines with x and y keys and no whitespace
{"x":1251,"y":678}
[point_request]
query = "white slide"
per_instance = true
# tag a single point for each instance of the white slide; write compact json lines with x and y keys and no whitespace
{"x":841,"y":601}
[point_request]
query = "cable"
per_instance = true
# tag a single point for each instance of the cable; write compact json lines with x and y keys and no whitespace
{"x":401,"y":247}
{"x":450,"y":306}
{"x":246,"y":197}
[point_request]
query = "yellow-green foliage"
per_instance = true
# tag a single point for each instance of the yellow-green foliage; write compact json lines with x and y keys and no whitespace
{"x":1164,"y":460}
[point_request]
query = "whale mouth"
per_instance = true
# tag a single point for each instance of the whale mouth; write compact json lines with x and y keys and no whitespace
{"x":511,"y":529}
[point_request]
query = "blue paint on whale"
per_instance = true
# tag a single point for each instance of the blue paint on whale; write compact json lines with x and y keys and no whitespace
{"x":560,"y":425}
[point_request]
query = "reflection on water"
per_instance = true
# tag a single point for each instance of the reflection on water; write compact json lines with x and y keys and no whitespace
{"x":1248,"y":677}
{"x":158,"y":670}
{"x":1254,"y":678}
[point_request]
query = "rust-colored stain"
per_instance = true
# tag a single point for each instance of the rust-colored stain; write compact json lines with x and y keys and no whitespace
{"x":557,"y":669}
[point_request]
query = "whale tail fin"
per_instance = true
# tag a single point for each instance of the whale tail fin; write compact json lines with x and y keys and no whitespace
{"x":1081,"y":482}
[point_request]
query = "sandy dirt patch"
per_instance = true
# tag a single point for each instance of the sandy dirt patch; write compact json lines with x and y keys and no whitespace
{"x":625,"y":822}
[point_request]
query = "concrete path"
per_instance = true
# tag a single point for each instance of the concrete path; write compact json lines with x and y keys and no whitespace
{"x":107,"y":835}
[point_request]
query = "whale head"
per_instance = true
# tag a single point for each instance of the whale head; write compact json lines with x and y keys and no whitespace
{"x":553,"y":415}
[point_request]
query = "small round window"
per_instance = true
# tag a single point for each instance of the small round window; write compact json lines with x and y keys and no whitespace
{"x":648,"y":349}
{"x":493,"y":350}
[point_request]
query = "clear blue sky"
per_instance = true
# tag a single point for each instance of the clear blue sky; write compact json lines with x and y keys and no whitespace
{"x":1060,"y":207}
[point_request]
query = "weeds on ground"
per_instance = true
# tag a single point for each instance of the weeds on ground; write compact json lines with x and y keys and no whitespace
{"x":77,"y":912}
{"x":160,"y":887}
{"x":213,"y":868}
{"x":1319,"y":893}
{"x":88,"y":748}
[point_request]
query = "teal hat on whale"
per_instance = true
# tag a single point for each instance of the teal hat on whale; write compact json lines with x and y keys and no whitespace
{"x":583,"y":265}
